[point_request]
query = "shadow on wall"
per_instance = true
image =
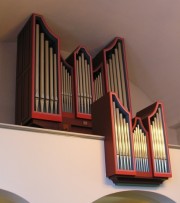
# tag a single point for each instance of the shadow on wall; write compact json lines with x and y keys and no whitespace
{"x":9,"y":197}
{"x":134,"y":196}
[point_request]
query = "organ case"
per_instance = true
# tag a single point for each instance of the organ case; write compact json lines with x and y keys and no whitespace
{"x":136,"y":152}
{"x":113,"y":59}
{"x":81,"y":61}
{"x":77,"y":91}
{"x":112,"y":120}
{"x":154,"y":122}
{"x":38,"y":100}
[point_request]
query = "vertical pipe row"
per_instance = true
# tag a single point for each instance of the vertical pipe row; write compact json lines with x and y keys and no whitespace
{"x":140,"y":150}
{"x":98,"y":85}
{"x":122,"y":140}
{"x":158,"y":143}
{"x":66,"y":84}
{"x":116,"y":74}
{"x":46,"y":74}
{"x":83,"y":76}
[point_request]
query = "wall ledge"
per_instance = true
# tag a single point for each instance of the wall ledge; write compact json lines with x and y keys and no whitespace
{"x":61,"y":133}
{"x":174,"y":146}
{"x":48,"y":131}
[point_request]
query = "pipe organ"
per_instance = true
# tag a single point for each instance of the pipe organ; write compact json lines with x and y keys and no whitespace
{"x":86,"y":95}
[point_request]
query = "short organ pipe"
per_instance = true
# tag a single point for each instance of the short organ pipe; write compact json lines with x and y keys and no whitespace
{"x":98,"y":83}
{"x":66,"y":85}
{"x":140,"y":147}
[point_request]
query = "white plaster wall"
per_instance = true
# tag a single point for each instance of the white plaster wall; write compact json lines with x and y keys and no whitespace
{"x":46,"y":168}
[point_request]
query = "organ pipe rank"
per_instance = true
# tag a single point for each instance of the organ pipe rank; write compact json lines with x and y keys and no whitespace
{"x":153,"y":119}
{"x":82,"y":94}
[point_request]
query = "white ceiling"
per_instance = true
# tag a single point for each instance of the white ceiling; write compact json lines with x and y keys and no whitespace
{"x":151,"y":30}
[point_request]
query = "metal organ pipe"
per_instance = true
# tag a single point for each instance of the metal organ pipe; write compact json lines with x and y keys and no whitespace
{"x":116,"y":73}
{"x":140,"y":149}
{"x":37,"y":70}
{"x":122,"y":135}
{"x":46,"y":74}
{"x":157,"y":132}
{"x":83,"y":77}
{"x":66,"y":85}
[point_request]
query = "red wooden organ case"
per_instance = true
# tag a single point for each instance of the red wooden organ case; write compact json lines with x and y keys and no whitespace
{"x":153,"y":120}
{"x":52,"y":92}
{"x":135,"y":151}
{"x":38,"y":90}
{"x":78,"y":118}
{"x":114,"y":73}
